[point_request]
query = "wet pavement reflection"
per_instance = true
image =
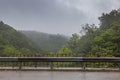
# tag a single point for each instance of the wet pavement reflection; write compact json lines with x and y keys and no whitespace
{"x":47,"y":75}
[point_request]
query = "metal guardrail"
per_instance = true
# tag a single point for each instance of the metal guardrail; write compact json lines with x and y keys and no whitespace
{"x":51,"y":60}
{"x":59,"y":59}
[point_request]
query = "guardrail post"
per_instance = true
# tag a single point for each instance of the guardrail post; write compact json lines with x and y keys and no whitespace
{"x":20,"y":65}
{"x":51,"y":66}
{"x":84,"y":65}
{"x":119,"y":66}
{"x":13,"y":65}
{"x":35,"y":63}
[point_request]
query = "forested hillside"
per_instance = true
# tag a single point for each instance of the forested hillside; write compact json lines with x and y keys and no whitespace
{"x":92,"y":41}
{"x":48,"y":42}
{"x":13,"y":42}
{"x":102,"y":40}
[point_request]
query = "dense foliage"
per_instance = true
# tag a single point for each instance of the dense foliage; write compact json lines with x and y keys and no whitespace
{"x":93,"y":41}
{"x":13,"y":42}
{"x":103,"y":40}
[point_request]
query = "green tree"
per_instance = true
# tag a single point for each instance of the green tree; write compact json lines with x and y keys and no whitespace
{"x":11,"y":51}
{"x":73,"y":43}
{"x":83,"y":43}
{"x":64,"y":50}
{"x":108,"y":42}
{"x":107,"y":19}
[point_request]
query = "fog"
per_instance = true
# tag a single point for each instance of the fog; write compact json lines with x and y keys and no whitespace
{"x":54,"y":16}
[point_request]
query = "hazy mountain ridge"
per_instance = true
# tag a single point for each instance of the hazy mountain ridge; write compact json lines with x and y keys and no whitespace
{"x":49,"y":42}
{"x":12,"y":41}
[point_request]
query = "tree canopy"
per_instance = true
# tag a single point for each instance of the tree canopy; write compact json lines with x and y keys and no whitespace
{"x":103,"y":40}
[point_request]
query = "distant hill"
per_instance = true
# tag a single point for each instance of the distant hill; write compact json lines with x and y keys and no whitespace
{"x":49,"y":42}
{"x":14,"y":42}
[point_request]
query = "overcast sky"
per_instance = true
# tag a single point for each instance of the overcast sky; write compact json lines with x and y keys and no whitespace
{"x":54,"y":16}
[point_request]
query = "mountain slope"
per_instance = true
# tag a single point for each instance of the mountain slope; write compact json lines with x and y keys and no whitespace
{"x":49,"y":42}
{"x":12,"y":40}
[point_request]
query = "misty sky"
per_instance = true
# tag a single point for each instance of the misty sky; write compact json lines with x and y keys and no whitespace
{"x":54,"y":16}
